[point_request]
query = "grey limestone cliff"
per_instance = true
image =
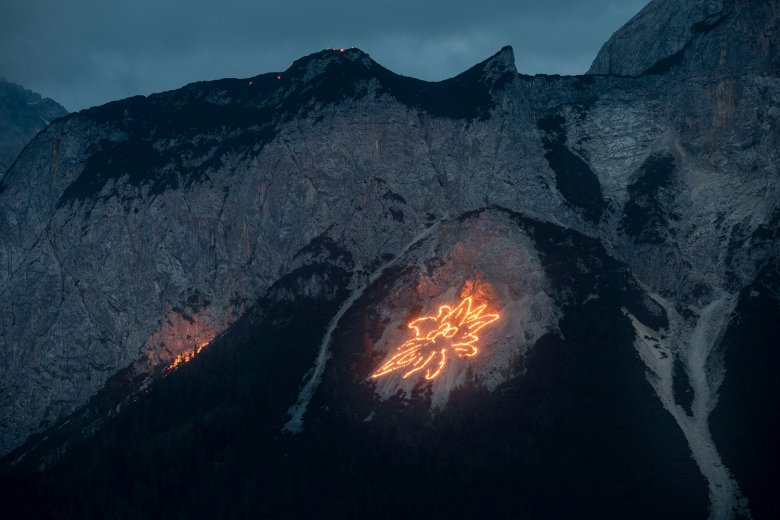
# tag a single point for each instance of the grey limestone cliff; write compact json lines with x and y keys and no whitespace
{"x":665,"y":34}
{"x":23,"y":114}
{"x":132,"y":232}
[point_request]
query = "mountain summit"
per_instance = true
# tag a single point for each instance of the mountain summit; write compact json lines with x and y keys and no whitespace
{"x":493,"y":295}
{"x":23,"y":114}
{"x":703,"y":36}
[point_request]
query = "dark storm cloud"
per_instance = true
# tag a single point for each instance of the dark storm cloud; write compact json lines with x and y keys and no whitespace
{"x":87,"y":52}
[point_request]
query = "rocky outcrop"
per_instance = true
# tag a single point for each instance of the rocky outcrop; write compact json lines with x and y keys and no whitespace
{"x":701,"y":36}
{"x":23,"y":114}
{"x":660,"y":31}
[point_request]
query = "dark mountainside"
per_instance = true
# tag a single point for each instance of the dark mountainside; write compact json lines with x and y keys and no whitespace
{"x":201,"y":283}
{"x":23,"y":114}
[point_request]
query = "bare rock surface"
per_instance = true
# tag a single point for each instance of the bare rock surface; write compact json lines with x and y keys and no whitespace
{"x":23,"y":114}
{"x":136,"y":231}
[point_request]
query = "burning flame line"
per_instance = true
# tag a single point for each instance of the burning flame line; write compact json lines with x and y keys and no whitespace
{"x":450,"y":330}
{"x":185,"y":357}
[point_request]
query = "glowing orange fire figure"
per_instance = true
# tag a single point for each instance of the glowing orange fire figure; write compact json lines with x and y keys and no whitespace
{"x":452,"y":330}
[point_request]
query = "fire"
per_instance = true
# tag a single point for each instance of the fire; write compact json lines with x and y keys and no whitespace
{"x":452,"y":331}
{"x":185,"y":357}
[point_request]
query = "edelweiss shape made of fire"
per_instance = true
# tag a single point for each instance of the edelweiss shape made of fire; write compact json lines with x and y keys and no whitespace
{"x":451,"y":332}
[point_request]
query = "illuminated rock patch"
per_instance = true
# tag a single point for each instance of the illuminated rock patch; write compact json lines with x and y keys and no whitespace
{"x":487,"y":259}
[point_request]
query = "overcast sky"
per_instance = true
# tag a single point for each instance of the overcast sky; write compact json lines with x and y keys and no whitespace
{"x":87,"y":52}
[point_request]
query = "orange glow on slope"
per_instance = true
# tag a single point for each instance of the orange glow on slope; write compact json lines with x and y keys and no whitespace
{"x":185,"y":357}
{"x":451,"y":331}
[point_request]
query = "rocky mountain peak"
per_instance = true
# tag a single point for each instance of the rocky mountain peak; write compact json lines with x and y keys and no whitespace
{"x":23,"y":113}
{"x":309,"y":67}
{"x":661,"y":29}
{"x":499,"y":65}
{"x":291,"y":226}
{"x":727,"y":36}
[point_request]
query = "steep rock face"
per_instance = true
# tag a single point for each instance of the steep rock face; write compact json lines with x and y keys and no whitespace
{"x":727,"y":35}
{"x":23,"y":114}
{"x":554,"y":397}
{"x":660,"y":30}
{"x":168,"y":220}
{"x":136,"y":231}
{"x":489,"y":261}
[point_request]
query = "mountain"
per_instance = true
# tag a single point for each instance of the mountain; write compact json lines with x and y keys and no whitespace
{"x":23,"y":114}
{"x":205,"y":288}
{"x":665,"y":36}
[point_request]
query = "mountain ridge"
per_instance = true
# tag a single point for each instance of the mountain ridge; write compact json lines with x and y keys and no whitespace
{"x":23,"y":113}
{"x":187,"y":206}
